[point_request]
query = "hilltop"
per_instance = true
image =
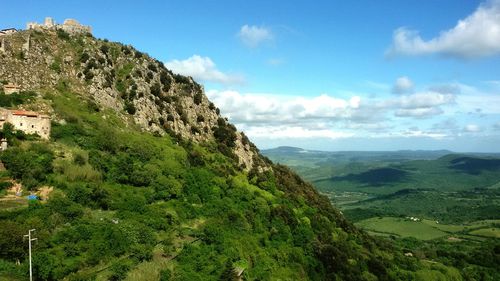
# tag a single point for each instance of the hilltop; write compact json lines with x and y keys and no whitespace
{"x":143,"y":179}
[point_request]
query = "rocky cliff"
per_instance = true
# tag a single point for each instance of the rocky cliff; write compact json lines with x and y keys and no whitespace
{"x":119,"y":77}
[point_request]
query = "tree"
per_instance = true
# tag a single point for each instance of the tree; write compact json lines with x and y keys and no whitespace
{"x":229,"y":274}
{"x":11,"y":240}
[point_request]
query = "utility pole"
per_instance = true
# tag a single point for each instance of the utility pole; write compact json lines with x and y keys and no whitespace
{"x":29,"y":243}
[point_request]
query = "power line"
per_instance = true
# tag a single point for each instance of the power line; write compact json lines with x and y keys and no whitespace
{"x":29,"y":243}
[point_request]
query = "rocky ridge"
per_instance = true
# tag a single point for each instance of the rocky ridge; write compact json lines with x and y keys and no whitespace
{"x":121,"y":78}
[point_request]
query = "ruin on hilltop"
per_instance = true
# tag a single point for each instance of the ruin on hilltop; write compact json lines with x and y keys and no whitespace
{"x":71,"y":26}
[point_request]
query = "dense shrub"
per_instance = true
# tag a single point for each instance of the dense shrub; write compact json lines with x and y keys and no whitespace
{"x":31,"y":165}
{"x":155,"y":89}
{"x":225,"y":133}
{"x":198,"y":97}
{"x":62,"y":34}
{"x":15,"y":99}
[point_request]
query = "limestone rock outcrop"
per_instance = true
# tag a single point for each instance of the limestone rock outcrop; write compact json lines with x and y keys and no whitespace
{"x":119,"y":77}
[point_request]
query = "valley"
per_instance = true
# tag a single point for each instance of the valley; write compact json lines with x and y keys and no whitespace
{"x":433,"y":199}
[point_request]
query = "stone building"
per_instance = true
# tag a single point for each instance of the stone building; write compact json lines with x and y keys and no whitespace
{"x":27,"y":121}
{"x":11,"y":88}
{"x":70,"y":26}
{"x":7,"y":31}
{"x":2,"y":44}
{"x":3,"y":32}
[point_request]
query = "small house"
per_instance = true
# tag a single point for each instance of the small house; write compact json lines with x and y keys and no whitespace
{"x":10,"y":88}
{"x":27,"y":121}
{"x":7,"y":31}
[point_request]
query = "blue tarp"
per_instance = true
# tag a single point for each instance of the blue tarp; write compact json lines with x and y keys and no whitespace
{"x":32,"y":197}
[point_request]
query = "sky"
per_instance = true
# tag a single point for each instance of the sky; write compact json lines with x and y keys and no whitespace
{"x":327,"y":75}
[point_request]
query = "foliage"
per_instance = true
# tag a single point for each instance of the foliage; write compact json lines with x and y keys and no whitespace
{"x":31,"y":165}
{"x":63,"y":34}
{"x":197,"y":98}
{"x":16,"y":99}
{"x":126,"y":201}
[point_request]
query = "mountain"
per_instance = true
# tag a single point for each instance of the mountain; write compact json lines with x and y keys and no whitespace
{"x":142,"y":179}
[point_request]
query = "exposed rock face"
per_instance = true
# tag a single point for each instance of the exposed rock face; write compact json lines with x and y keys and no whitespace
{"x":121,"y":78}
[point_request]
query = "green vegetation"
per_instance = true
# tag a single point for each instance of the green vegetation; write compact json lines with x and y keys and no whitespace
{"x":443,"y":200}
{"x":402,"y":227}
{"x":132,"y":205}
{"x":127,"y":202}
{"x":16,"y":99}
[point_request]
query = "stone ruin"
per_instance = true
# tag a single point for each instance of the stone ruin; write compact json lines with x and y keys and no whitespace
{"x":27,"y":121}
{"x":70,"y":26}
{"x":10,"y":88}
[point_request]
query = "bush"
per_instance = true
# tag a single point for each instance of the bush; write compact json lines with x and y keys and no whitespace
{"x":56,"y":65}
{"x":225,"y":133}
{"x":15,"y":99}
{"x":165,"y":81}
{"x":84,"y":57}
{"x":61,"y":34}
{"x":152,"y":67}
{"x":79,"y":159}
{"x":30,"y":166}
{"x":119,"y":271}
{"x":198,"y":97}
{"x":165,"y":275}
{"x":130,"y":108}
{"x":104,"y":49}
{"x":156,"y":89}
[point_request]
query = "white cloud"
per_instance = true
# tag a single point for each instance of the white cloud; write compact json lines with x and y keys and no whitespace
{"x":284,"y":132}
{"x":419,"y":133}
{"x":265,"y":109}
{"x":477,"y":35}
{"x":418,"y":112}
{"x":425,"y":100}
{"x":278,"y":117}
{"x":272,"y":116}
{"x":253,"y":36}
{"x":418,"y":105}
{"x":472,"y":128}
{"x":403,"y":85}
{"x":202,"y":68}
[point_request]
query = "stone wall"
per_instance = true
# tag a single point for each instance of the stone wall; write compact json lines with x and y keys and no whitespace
{"x":11,"y":88}
{"x":27,"y":121}
{"x":70,"y":26}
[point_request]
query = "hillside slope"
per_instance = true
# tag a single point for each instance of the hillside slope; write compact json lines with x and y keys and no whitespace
{"x":150,"y":182}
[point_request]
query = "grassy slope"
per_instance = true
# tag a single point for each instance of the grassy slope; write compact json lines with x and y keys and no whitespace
{"x":127,"y":201}
{"x":132,"y":205}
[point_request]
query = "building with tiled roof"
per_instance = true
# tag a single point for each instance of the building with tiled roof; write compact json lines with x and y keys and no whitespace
{"x":29,"y":122}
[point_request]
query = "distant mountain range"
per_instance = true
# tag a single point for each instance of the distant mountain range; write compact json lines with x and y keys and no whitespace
{"x":288,"y":151}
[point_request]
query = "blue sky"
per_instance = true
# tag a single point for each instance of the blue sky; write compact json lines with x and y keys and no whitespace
{"x":331,"y":75}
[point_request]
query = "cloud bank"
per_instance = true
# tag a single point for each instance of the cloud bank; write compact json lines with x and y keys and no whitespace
{"x":478,"y":35}
{"x":274,"y":116}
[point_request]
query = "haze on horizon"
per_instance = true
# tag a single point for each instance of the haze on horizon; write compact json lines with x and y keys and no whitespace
{"x":336,"y":75}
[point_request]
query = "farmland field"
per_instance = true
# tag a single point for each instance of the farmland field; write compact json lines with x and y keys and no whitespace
{"x":401,"y":227}
{"x":459,"y":191}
